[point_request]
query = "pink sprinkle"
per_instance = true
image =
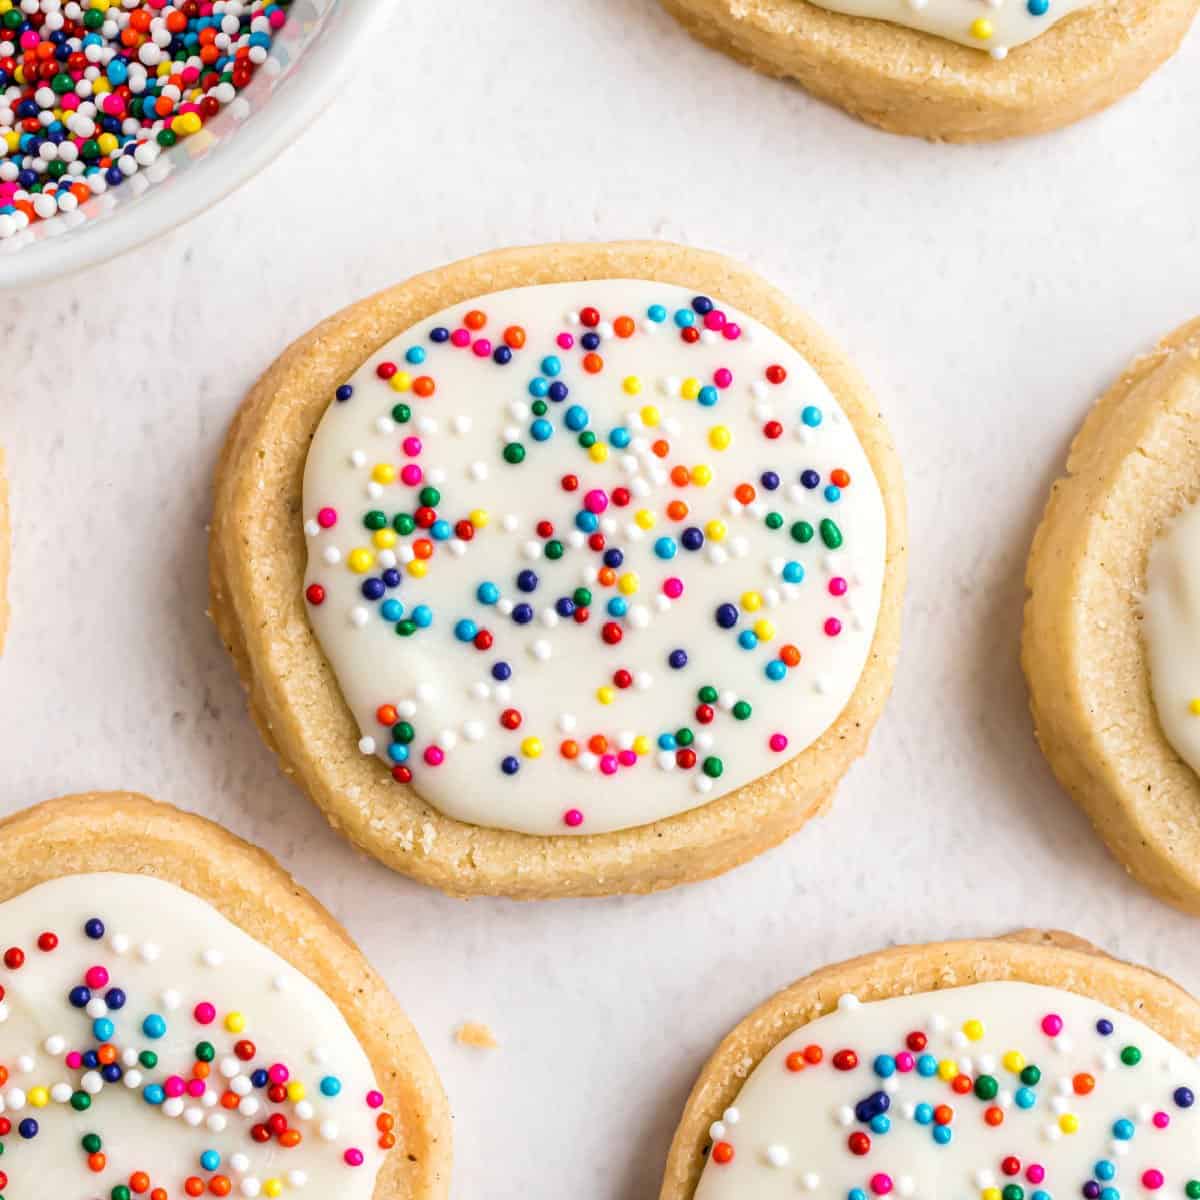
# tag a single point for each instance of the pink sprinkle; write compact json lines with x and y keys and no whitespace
{"x":278,"y":1073}
{"x":722,"y":377}
{"x":195,"y":1087}
{"x":778,"y":742}
{"x":565,"y":342}
{"x":482,"y":348}
{"x":460,"y":338}
{"x":837,"y":586}
{"x":174,"y":1086}
{"x":905,"y":1062}
{"x":29,"y":39}
{"x":1161,"y":1120}
{"x":353,"y":1157}
{"x":412,"y":474}
{"x":74,"y":1060}
{"x":732,"y":331}
{"x":374,"y":1099}
{"x":833,"y":627}
{"x":881,"y":1184}
{"x":673,"y":587}
{"x":327,"y":518}
{"x":277,"y":18}
{"x":608,"y":764}
{"x":573,"y":817}
{"x":96,"y":977}
{"x":1152,"y":1179}
{"x":596,"y":501}
{"x":626,"y":758}
{"x":113,"y":104}
{"x":714,"y":319}
{"x":1052,"y":1024}
{"x":1036,"y":1173}
{"x":204,"y":1013}
{"x":434,"y":756}
{"x":411,"y":446}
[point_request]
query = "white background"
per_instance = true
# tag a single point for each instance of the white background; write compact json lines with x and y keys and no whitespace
{"x":988,"y":294}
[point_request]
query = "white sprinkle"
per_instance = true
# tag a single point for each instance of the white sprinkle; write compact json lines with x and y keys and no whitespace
{"x":212,"y":957}
{"x":778,"y":1156}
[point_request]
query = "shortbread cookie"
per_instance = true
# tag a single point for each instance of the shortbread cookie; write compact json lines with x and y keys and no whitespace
{"x":1133,"y":469}
{"x":4,"y":552}
{"x":1031,"y":1066}
{"x":954,"y":70}
{"x":179,"y":1018}
{"x":563,"y":570}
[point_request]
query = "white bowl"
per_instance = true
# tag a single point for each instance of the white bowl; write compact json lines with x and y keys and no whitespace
{"x":308,"y":59}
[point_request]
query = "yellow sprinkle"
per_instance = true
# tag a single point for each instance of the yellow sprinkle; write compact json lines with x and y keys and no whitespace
{"x":764,"y":629}
{"x":650,"y":416}
{"x":752,"y":601}
{"x":991,"y":1193}
{"x":531,"y":747}
{"x":641,"y":744}
{"x":1014,"y":1061}
{"x":631,"y":385}
{"x":628,"y":583}
{"x":385,"y":539}
{"x":702,"y":475}
{"x":1068,"y":1123}
{"x":401,"y":381}
{"x":418,"y":568}
{"x":719,"y":437}
{"x":982,"y":29}
{"x":598,"y":452}
{"x":605,"y":695}
{"x":39,"y":1097}
{"x":235,"y":1022}
{"x":384,"y":473}
{"x":716,"y":530}
{"x":186,"y":123}
{"x":295,"y":1091}
{"x":690,"y":389}
{"x":273,"y":1187}
{"x":645,"y":519}
{"x":107,"y":143}
{"x":973,"y":1030}
{"x":1194,"y":707}
{"x":479,"y":518}
{"x":360,"y":560}
{"x":947,"y":1069}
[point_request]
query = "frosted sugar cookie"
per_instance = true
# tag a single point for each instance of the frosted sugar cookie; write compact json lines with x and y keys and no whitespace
{"x":4,"y":552}
{"x":1031,"y":1067}
{"x":563,"y":570}
{"x":953,"y":70}
{"x":1111,"y":632}
{"x":178,"y":1018}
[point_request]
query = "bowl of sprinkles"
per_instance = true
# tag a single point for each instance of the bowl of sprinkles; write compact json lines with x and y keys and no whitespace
{"x":121,"y":119}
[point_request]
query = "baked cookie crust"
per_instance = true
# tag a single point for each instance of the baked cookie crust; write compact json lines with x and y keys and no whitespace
{"x":1051,"y":959}
{"x":257,"y":561}
{"x":909,"y":82}
{"x":1134,"y":465}
{"x":121,"y":831}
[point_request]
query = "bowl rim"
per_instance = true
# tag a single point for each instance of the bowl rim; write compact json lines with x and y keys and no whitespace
{"x":312,"y":84}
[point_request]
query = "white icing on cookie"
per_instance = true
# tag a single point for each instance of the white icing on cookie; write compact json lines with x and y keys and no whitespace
{"x":997,"y":1091}
{"x":1171,"y":610}
{"x":553,"y":637}
{"x":173,"y":979}
{"x":996,"y":26}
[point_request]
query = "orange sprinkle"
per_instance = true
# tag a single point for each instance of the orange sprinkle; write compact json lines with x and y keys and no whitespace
{"x":424,"y":386}
{"x":386,"y":714}
{"x":623,"y":327}
{"x":229,"y":1100}
{"x":790,"y":655}
{"x":514,"y":337}
{"x":722,"y":1152}
{"x":387,"y":1141}
{"x":593,"y":364}
{"x":607,"y":577}
{"x":193,"y":1186}
{"x":994,"y":1116}
{"x":107,"y":1054}
{"x":219,"y":1185}
{"x":159,"y":1194}
{"x":423,"y":548}
{"x":840,"y":478}
{"x":680,"y":476}
{"x":813,"y":1055}
{"x":677,"y":510}
{"x":744,"y":493}
{"x":475,"y":319}
{"x":201,"y":1070}
{"x":1083,"y":1083}
{"x":97,"y":1162}
{"x":569,"y":748}
{"x":139,"y":1182}
{"x":598,"y":743}
{"x":289,"y":1138}
{"x":385,"y":1122}
{"x":795,"y":1061}
{"x":661,"y":448}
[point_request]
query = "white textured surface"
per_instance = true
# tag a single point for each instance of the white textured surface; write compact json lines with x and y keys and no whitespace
{"x":988,"y":294}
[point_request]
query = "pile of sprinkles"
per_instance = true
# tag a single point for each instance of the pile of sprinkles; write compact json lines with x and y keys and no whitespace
{"x":121,"y":1060}
{"x":1005,"y":1092}
{"x":92,"y":91}
{"x":590,"y":545}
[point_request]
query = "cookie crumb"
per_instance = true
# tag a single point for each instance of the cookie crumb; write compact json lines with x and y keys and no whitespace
{"x":475,"y":1034}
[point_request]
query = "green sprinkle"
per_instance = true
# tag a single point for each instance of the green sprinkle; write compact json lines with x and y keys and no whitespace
{"x":554,"y":549}
{"x":81,"y":1101}
{"x":1013,"y":1192}
{"x":707,"y":694}
{"x":587,"y":439}
{"x":1031,"y":1076}
{"x":91,"y":1143}
{"x":582,"y":597}
{"x":401,"y":413}
{"x":430,"y":497}
{"x":986,"y":1087}
{"x":403,"y":523}
{"x":742,"y":710}
{"x":1193,"y":1189}
{"x":402,"y":732}
{"x":540,"y":408}
{"x":514,"y":453}
{"x":831,"y":535}
{"x":713,"y":768}
{"x":375,"y":519}
{"x":684,"y":736}
{"x":406,"y":628}
{"x":774,"y":520}
{"x":205,"y":1052}
{"x":148,"y":1059}
{"x":802,"y":532}
{"x":120,"y":1192}
{"x":1131,"y":1056}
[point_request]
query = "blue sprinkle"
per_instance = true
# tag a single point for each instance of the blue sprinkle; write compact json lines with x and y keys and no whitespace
{"x":415,"y":355}
{"x":538,"y":387}
{"x":1038,"y":8}
{"x":1123,"y":1130}
{"x":487,"y":593}
{"x":881,"y":1124}
{"x":509,"y":765}
{"x":439,"y":334}
{"x":551,"y":365}
{"x":657,"y":313}
{"x":1104,"y":1027}
{"x":210,"y":1160}
{"x":576,"y":418}
{"x":1105,"y":1170}
{"x":102,"y":1029}
{"x":1025,"y":1098}
{"x":541,"y":430}
{"x":708,"y":396}
{"x":397,"y":752}
{"x":587,"y":521}
{"x":618,"y":606}
{"x":811,"y":416}
{"x":665,"y":547}
{"x":344,"y":393}
{"x":810,"y":479}
{"x":677,"y":659}
{"x":923,"y":1114}
{"x":154,"y":1026}
{"x":885,"y":1066}
{"x":465,"y":630}
{"x":684,"y":317}
{"x":942,"y":1134}
{"x":94,"y":929}
{"x":114,"y":998}
{"x":559,"y":391}
{"x":927,"y":1066}
{"x":440,"y":530}
{"x":501,"y":671}
{"x":702,"y":304}
{"x":331,"y":1085}
{"x":423,"y":616}
{"x":747,"y":639}
{"x":793,"y":572}
{"x":391,"y":610}
{"x":153,"y":1093}
{"x":620,"y":437}
{"x":523,"y":614}
{"x":666,"y":741}
{"x":775,"y":670}
{"x":833,"y":493}
{"x":769,"y":480}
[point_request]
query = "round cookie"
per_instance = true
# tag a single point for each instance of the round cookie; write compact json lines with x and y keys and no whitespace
{"x":177,"y":1017}
{"x":1134,"y":465}
{"x":1032,"y":1063}
{"x":267,"y":596}
{"x":5,"y":536}
{"x":908,"y":81}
